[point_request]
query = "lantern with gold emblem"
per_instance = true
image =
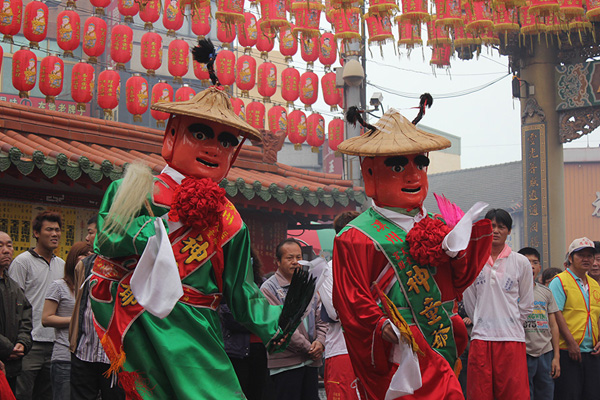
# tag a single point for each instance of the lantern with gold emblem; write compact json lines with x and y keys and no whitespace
{"x":82,"y":84}
{"x":201,"y":72}
{"x":449,"y":13}
{"x":297,"y":129}
{"x":440,"y":56}
{"x":505,"y":20}
{"x":308,"y":17}
{"x":246,"y":74}
{"x":290,"y":83}
{"x":273,"y":14}
{"x":151,"y":52}
{"x":414,"y":10}
{"x":162,"y":91}
{"x":121,"y":45}
{"x":137,"y":96}
{"x":380,"y":29}
{"x":479,"y":16}
{"x":179,"y":59}
{"x":230,"y":12}
{"x":315,"y":131}
{"x":593,"y":10}
{"x":409,"y":34}
{"x":109,"y":91}
{"x":52,"y":72}
{"x":255,"y":115}
{"x":529,"y":24}
{"x":128,"y":9}
{"x":35,"y":23}
{"x":437,"y":34}
{"x":225,"y":66}
{"x":330,"y":91}
{"x":24,"y":71}
{"x":94,"y":38}
{"x":184,"y":93}
{"x":201,"y":20}
{"x":277,"y":119}
{"x":346,"y":23}
{"x":10,"y":18}
{"x":327,"y":50}
{"x":335,"y":134}
{"x":383,"y":8}
{"x":68,"y":31}
{"x":540,"y":8}
{"x":265,"y":42}
{"x":225,"y":33}
{"x":309,"y":49}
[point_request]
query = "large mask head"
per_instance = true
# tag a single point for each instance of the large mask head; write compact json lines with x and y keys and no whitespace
{"x":199,"y":148}
{"x":396,"y":181}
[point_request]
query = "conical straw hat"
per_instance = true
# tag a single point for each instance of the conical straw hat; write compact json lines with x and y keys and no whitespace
{"x":395,"y":136}
{"x":211,"y":104}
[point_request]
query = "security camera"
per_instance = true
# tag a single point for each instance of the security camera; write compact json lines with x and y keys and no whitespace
{"x":376,"y":100}
{"x":353,"y":73}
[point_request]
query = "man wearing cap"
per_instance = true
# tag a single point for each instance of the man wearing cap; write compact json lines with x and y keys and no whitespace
{"x":397,"y":270}
{"x":578,"y":300}
{"x":170,"y":248}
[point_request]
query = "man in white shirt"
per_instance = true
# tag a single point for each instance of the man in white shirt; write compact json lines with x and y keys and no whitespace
{"x":498,"y":303}
{"x":34,"y":270}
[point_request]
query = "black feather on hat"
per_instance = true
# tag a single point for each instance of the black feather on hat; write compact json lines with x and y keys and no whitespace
{"x":205,"y":53}
{"x":426,"y":101}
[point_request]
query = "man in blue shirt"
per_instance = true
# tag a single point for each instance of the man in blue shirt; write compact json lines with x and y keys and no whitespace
{"x":578,"y":301}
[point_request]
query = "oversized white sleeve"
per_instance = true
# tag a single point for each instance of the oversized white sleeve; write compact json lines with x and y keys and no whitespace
{"x":326,"y":290}
{"x":525,"y":289}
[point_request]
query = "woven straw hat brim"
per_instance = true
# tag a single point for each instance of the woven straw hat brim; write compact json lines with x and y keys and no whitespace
{"x":211,"y":104}
{"x":395,"y":136}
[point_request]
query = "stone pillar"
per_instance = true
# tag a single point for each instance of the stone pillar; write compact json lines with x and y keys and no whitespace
{"x":542,"y":151}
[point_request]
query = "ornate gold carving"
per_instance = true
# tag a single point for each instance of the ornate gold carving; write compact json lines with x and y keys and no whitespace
{"x":573,"y":124}
{"x":532,"y":111}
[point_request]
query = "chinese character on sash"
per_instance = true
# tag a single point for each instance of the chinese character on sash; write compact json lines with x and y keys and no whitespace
{"x":195,"y":248}
{"x":430,"y":311}
{"x":126,"y":296}
{"x":418,"y":277}
{"x":440,"y":336}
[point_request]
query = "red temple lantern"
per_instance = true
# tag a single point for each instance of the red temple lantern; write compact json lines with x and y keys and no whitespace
{"x":225,"y":66}
{"x":265,"y":42}
{"x":94,"y":38}
{"x":309,"y":89}
{"x":330,"y":91}
{"x":593,"y":10}
{"x":315,"y":135}
{"x":409,"y":34}
{"x":380,"y":29}
{"x":248,"y":33}
{"x":68,"y":27}
{"x":572,"y":8}
{"x":137,"y":96}
{"x":246,"y":74}
{"x":162,"y":91}
{"x":255,"y":115}
{"x":179,"y":59}
{"x":201,"y":20}
{"x":335,"y":134}
{"x":297,"y":128}
{"x":543,"y":7}
{"x":288,"y":44}
{"x":100,"y":5}
{"x":277,"y":117}
{"x":24,"y":71}
{"x":437,"y":34}
{"x":346,"y":23}
{"x":529,"y":24}
{"x":479,"y":16}
{"x":328,"y":50}
{"x":464,"y":38}
{"x":109,"y":91}
{"x":267,"y":80}
{"x":414,"y":10}
{"x":290,"y":84}
{"x":172,"y":17}
{"x":239,"y":107}
{"x":82,"y":84}
{"x":10,"y":18}
{"x":184,"y":93}
{"x":121,"y":45}
{"x":384,"y":8}
{"x":273,"y":14}
{"x":230,"y":12}
{"x":201,"y":72}
{"x":580,"y":24}
{"x":149,"y":12}
{"x":449,"y":13}
{"x":505,"y":20}
{"x":35,"y":24}
{"x":440,"y":56}
{"x":308,"y":17}
{"x":52,"y":72}
{"x":128,"y":9}
{"x":151,"y":52}
{"x":309,"y":49}
{"x":225,"y":33}
{"x":489,"y":38}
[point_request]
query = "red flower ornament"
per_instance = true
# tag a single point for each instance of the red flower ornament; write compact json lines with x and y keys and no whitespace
{"x":425,"y":242}
{"x":198,"y":202}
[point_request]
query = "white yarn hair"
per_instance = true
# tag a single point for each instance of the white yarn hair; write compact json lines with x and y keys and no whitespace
{"x":137,"y":186}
